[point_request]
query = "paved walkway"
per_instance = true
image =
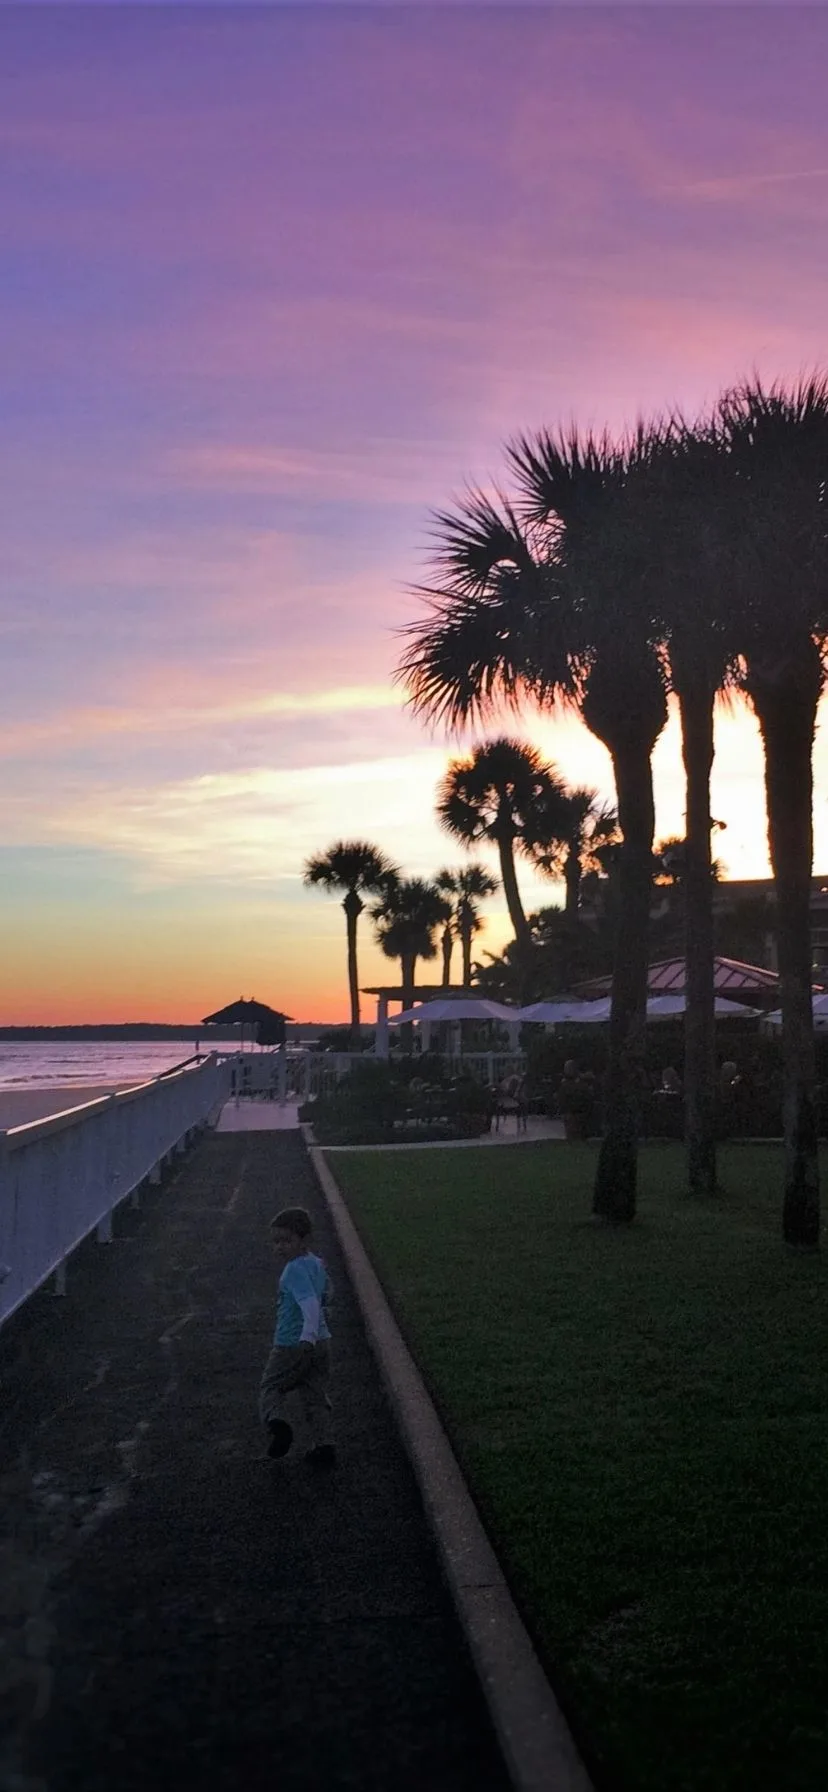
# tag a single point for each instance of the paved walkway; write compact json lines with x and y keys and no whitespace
{"x":199,"y":1617}
{"x":268,"y":1116}
{"x":258,"y":1116}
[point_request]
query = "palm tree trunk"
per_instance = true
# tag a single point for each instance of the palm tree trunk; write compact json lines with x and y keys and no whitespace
{"x":572,"y":880}
{"x":466,"y":942}
{"x":696,"y":707}
{"x":786,"y":703}
{"x":523,"y":938}
{"x":505,"y":847}
{"x":407,"y":964}
{"x":614,"y":1195}
{"x":353,"y":906}
{"x":447,"y":947}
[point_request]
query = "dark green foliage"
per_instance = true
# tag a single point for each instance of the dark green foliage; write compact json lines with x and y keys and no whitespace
{"x":564,"y":951}
{"x":376,"y":1104}
{"x":752,"y":1110}
{"x":341,"y":1039}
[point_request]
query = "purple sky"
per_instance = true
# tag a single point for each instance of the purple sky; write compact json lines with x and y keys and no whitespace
{"x":275,"y":282}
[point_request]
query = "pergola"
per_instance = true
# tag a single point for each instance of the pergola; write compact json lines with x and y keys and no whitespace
{"x":424,"y":992}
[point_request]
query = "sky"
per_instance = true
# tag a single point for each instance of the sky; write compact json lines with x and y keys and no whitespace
{"x":276,"y":283}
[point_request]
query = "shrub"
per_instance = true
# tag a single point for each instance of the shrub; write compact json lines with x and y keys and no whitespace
{"x":374,"y":1105}
{"x":339,"y":1039}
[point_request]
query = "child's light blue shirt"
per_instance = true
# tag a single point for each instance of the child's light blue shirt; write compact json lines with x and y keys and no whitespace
{"x":304,"y":1289}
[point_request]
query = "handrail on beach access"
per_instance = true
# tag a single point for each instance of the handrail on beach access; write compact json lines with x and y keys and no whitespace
{"x":63,"y":1177}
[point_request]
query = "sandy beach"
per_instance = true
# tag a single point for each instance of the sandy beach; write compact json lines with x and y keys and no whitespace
{"x":19,"y":1106}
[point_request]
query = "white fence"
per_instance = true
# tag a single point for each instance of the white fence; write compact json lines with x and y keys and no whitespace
{"x":288,"y":1075}
{"x":258,"y":1073}
{"x":298,"y":1076}
{"x":318,"y":1073}
{"x":62,"y":1178}
{"x":487,"y":1067}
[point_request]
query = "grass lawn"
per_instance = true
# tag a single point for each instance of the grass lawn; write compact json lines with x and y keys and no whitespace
{"x":642,"y":1416}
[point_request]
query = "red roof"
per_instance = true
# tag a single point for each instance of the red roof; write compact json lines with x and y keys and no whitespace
{"x":731,"y":978}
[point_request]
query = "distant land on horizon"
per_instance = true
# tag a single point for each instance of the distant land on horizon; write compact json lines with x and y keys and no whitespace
{"x":148,"y":1030}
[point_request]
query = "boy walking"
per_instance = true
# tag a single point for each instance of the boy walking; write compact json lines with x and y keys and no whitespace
{"x":299,"y":1362}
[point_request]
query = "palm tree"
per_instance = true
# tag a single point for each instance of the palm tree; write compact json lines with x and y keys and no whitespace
{"x":582,"y":493}
{"x":678,"y":502}
{"x":774,"y":456}
{"x":580,"y":826}
{"x":746,"y":929}
{"x":405,"y":920}
{"x":496,"y":795}
{"x":359,"y":869}
{"x":549,"y":604}
{"x":670,"y":861}
{"x":447,"y":934}
{"x":468,"y":885}
{"x":565,"y":952}
{"x":669,"y":545}
{"x":671,"y":930}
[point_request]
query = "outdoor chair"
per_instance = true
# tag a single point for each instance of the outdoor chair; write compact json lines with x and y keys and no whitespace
{"x":511,"y":1098}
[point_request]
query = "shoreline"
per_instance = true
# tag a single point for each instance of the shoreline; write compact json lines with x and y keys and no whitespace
{"x":19,"y":1107}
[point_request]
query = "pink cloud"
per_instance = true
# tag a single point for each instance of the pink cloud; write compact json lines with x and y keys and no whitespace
{"x":371,"y":470}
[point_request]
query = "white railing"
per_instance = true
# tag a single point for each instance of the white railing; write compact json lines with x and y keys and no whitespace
{"x":318,"y":1073}
{"x":257,"y":1073}
{"x":297,"y":1075}
{"x":62,"y":1178}
{"x":323,"y":1071}
{"x":487,"y":1067}
{"x":285,"y":1075}
{"x":290,"y":1075}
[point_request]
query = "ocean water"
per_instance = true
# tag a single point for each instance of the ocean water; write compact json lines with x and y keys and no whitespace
{"x":60,"y":1064}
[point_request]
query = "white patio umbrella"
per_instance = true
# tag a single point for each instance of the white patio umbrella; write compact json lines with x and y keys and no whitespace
{"x":819,"y":1006}
{"x":458,"y":1008}
{"x":552,"y":1013}
{"x":589,"y":1013}
{"x":671,"y":1007}
{"x":658,"y":1008}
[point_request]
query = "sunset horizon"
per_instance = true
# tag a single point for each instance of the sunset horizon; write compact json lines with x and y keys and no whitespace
{"x":281,"y":283}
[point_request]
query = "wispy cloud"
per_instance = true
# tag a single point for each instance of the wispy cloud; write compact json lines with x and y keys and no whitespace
{"x":274,"y":287}
{"x":738,"y":186}
{"x":83,"y":725}
{"x":373,"y":470}
{"x":260,"y":823}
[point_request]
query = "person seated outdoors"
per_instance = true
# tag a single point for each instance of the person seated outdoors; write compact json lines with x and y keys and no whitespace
{"x":576,"y":1100}
{"x":570,"y":1081}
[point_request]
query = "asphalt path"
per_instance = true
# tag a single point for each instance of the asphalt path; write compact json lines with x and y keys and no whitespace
{"x":176,"y":1609}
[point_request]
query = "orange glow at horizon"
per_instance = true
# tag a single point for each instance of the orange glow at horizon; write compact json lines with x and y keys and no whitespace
{"x":265,"y":312}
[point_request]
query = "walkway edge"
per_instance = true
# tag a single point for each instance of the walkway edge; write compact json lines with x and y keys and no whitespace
{"x":538,"y":1748}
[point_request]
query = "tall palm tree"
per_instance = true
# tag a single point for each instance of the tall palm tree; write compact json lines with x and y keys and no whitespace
{"x":447,"y":932}
{"x":670,"y":863}
{"x":671,"y":929}
{"x":579,"y":827}
{"x":582,"y":493}
{"x":774,"y":446}
{"x":678,"y":501}
{"x":548,"y":604}
{"x":468,"y":886}
{"x":406,"y":918}
{"x":669,"y":513}
{"x":497,"y":795}
{"x":359,"y":869}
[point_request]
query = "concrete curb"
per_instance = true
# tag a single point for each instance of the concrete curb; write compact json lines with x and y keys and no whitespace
{"x":535,"y":1740}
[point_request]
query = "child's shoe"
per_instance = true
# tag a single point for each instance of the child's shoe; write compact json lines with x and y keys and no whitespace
{"x":281,"y":1437}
